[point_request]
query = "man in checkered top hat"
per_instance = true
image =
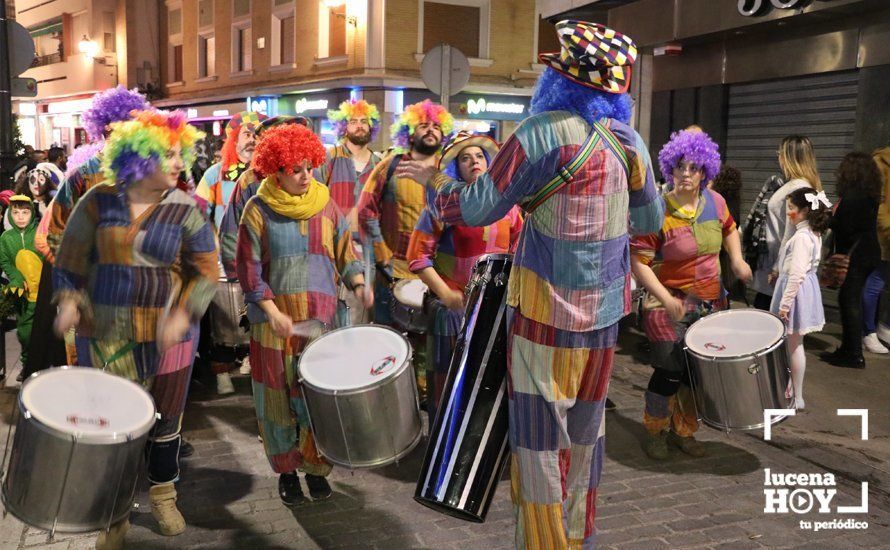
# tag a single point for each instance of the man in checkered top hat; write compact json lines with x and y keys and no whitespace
{"x":570,"y":282}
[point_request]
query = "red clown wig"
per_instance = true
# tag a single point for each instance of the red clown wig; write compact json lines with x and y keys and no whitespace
{"x":286,"y":148}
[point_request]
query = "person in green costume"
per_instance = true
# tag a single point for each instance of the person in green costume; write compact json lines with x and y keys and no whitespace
{"x":22,"y":265}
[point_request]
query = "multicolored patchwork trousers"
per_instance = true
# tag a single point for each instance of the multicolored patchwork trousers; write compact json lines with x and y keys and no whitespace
{"x":280,"y":408}
{"x":166,"y":376}
{"x":558,"y":382}
{"x":669,"y":399}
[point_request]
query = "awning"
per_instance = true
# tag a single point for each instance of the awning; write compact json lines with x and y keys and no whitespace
{"x":51,"y":28}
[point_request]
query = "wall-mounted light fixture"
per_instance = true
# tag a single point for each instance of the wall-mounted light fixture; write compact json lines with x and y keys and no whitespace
{"x":87,"y":47}
{"x":333,"y":4}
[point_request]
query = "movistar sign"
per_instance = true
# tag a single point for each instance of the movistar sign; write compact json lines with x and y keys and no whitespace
{"x":481,"y":106}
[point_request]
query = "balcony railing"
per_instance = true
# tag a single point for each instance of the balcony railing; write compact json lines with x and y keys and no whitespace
{"x":48,"y":59}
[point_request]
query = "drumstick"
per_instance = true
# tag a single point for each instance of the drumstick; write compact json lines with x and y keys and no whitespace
{"x":366,"y":256}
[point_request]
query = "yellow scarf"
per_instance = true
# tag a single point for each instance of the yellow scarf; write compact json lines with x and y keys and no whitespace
{"x":297,"y":207}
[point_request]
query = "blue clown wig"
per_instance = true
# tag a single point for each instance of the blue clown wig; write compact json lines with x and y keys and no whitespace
{"x":692,"y":146}
{"x":554,"y":92}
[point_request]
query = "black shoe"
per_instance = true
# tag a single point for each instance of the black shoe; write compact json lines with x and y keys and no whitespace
{"x":186,"y":449}
{"x":610,"y":406}
{"x":319,"y":488}
{"x":289,"y":489}
{"x":21,"y":377}
{"x":840,"y":358}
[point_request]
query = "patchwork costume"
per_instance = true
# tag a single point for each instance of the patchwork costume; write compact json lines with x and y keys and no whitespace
{"x":570,"y":281}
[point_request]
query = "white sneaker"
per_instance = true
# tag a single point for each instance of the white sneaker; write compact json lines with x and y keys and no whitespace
{"x":884,"y":333}
{"x":245,"y":366}
{"x":799,"y":403}
{"x":872,"y":344}
{"x":224,"y":384}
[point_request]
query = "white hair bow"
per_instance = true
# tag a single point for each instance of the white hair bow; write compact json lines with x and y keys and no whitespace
{"x":815,"y":198}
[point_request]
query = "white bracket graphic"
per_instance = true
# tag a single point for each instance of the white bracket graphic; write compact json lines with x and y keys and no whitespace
{"x":863,"y":413}
{"x":863,"y":506}
{"x":768,"y":415}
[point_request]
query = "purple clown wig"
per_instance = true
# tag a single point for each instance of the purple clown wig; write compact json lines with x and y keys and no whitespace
{"x":136,"y":147}
{"x":554,"y":92}
{"x":692,"y":146}
{"x":112,"y":105}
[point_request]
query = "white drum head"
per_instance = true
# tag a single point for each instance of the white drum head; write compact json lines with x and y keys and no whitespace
{"x":410,"y":292}
{"x":95,"y":406}
{"x":353,"y":358}
{"x":733,"y":333}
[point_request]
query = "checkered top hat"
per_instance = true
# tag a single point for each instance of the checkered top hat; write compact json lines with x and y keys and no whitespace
{"x":245,"y":118}
{"x":593,"y":55}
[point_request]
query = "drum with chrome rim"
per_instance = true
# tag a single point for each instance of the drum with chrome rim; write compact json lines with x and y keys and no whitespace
{"x":359,"y":387}
{"x":407,"y":305}
{"x":79,"y":443}
{"x":739,"y":367}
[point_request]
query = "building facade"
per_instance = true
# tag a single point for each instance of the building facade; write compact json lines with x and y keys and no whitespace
{"x":753,"y":72}
{"x":305,"y":56}
{"x":83,"y":46}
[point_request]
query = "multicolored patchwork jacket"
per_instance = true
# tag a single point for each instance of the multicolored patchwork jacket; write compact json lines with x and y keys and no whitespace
{"x":345,"y":182}
{"x":245,"y":188}
{"x":571,"y":270}
{"x":125,"y":272}
{"x":296,"y":263}
{"x":52,"y":225}
{"x":452,"y":250}
{"x":689,"y":245}
{"x":388,"y":210}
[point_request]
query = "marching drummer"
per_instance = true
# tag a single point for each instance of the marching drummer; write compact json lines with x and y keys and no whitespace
{"x":216,"y":188}
{"x":443,"y":255}
{"x":697,"y":224}
{"x":135,"y":271}
{"x":390,"y":205}
{"x":294,"y":247}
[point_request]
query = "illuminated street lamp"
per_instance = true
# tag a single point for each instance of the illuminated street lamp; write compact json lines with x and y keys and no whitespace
{"x":87,"y":47}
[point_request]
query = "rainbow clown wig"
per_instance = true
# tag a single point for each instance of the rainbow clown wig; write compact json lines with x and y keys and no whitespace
{"x":248,"y":119}
{"x":136,"y":148}
{"x":692,"y":146}
{"x":413,"y":115}
{"x":112,"y":105}
{"x":355,"y":109}
{"x":286,"y":147}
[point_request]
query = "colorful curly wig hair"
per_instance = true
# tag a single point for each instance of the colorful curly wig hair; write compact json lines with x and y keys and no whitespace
{"x":229,"y":153}
{"x":554,"y":92}
{"x":113,"y":105}
{"x":286,"y":147}
{"x":136,"y":147}
{"x":425,"y":111}
{"x":355,"y":108}
{"x":692,"y":146}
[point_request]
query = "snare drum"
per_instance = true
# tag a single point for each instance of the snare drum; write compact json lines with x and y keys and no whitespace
{"x":78,"y":447}
{"x":358,"y":383}
{"x":407,"y":305}
{"x":740,"y":367}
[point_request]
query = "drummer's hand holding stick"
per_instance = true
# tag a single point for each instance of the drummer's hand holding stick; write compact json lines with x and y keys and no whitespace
{"x":675,"y":307}
{"x":281,"y":324}
{"x":67,"y":317}
{"x":172,"y":328}
{"x":363,"y":293}
{"x":450,"y":298}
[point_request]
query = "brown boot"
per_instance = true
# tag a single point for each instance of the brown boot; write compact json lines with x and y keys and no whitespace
{"x":113,"y":539}
{"x":163,"y":508}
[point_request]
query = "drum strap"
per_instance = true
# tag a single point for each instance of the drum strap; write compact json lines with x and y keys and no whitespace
{"x":115,"y":356}
{"x":564,"y":176}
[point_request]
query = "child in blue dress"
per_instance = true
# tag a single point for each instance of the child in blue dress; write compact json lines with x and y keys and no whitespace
{"x":797,"y":298}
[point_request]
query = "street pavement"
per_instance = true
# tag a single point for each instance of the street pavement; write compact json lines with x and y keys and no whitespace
{"x":228,"y":493}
